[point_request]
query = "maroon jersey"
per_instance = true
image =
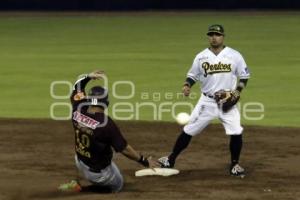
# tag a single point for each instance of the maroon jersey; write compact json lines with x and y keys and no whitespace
{"x":95,"y":134}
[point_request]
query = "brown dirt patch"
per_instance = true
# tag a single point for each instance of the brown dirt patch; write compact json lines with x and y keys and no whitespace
{"x":37,"y":155}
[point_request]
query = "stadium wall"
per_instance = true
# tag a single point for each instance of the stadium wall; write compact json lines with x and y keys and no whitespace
{"x":125,"y":5}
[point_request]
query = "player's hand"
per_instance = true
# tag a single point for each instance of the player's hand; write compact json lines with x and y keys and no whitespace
{"x":152,"y":163}
{"x":186,"y":90}
{"x":96,"y":75}
{"x":148,"y":162}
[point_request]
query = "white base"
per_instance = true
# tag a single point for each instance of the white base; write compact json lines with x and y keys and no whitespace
{"x":157,"y":172}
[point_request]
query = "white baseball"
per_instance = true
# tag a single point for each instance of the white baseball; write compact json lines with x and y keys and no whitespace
{"x":182,"y":118}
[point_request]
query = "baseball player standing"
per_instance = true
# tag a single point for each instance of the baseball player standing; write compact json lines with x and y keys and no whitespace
{"x":223,"y":74}
{"x":95,"y":136}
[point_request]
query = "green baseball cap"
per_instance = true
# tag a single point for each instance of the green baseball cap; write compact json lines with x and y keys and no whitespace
{"x":216,"y":28}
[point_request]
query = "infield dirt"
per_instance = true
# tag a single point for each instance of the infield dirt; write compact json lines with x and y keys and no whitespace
{"x":37,"y":155}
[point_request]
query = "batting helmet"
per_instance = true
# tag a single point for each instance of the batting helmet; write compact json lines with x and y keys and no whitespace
{"x":98,"y":96}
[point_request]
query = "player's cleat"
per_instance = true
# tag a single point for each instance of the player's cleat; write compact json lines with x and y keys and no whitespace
{"x":237,"y":170}
{"x":72,"y":186}
{"x":165,"y":162}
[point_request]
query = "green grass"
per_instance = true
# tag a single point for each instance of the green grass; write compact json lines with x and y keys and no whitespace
{"x":153,"y":50}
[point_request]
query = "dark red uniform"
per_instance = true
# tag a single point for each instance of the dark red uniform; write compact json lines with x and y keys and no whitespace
{"x":95,"y":134}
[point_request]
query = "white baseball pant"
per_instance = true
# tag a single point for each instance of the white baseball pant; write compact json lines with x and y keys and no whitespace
{"x":206,"y":110}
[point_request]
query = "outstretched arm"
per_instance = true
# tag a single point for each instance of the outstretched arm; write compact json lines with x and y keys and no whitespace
{"x":79,"y":86}
{"x":81,"y":83}
{"x":130,"y":153}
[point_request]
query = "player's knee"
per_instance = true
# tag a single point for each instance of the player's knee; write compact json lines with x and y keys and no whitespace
{"x":186,"y":134}
{"x":118,"y":183}
{"x":236,"y":138}
{"x":117,"y":188}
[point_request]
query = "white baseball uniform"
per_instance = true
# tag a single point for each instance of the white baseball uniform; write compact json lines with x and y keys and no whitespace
{"x":216,"y":72}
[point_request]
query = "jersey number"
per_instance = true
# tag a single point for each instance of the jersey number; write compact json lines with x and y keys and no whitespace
{"x":94,"y":101}
{"x":83,"y":139}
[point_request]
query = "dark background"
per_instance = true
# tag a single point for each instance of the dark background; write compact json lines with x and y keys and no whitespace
{"x":120,"y":5}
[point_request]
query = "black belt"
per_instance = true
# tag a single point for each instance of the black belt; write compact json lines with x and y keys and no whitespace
{"x":95,"y":170}
{"x":209,"y":96}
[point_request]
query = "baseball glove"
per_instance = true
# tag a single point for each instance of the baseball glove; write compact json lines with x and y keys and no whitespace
{"x":226,"y":99}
